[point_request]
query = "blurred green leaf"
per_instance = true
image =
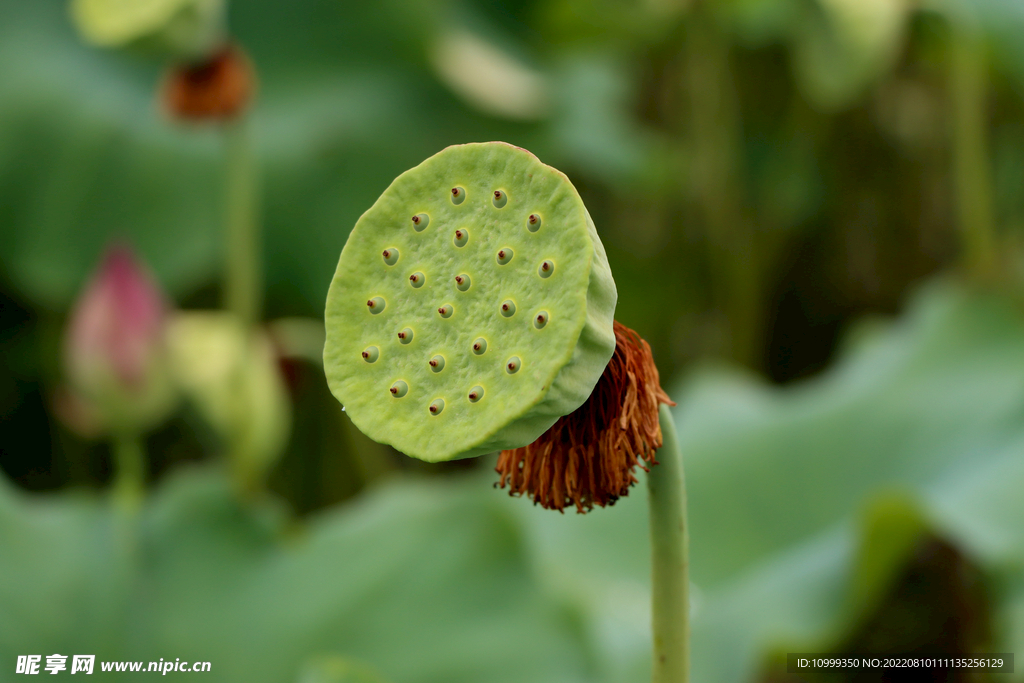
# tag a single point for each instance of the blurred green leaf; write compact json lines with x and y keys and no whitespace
{"x":422,"y":582}
{"x":843,"y":46}
{"x":334,"y":669}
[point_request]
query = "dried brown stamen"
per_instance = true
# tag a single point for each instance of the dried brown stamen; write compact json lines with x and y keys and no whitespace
{"x":588,"y":457}
{"x":217,"y":89}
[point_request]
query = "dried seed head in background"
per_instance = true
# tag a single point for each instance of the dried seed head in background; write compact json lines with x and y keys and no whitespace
{"x":217,"y":89}
{"x":588,"y":457}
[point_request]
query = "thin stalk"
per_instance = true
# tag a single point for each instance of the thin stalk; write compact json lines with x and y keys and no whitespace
{"x":971,"y":171}
{"x":130,"y":470}
{"x":243,"y":269}
{"x":715,"y":180}
{"x":670,"y":563}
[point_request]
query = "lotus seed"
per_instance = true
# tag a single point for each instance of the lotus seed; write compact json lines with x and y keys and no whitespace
{"x":479,"y":346}
{"x":461,"y":237}
{"x":445,"y":311}
{"x":436,"y":363}
{"x":500,"y":199}
{"x":390,"y":256}
{"x":504,"y":255}
{"x":462,"y":282}
{"x":540,"y":320}
{"x":533,"y":222}
{"x":417,"y":279}
{"x":436,"y":406}
{"x":508,"y":308}
{"x":399,"y":389}
{"x":376,"y":305}
{"x":371,"y":354}
{"x":458,"y":195}
{"x":405,"y":336}
{"x":420,"y":222}
{"x":546,"y":269}
{"x":512,"y":366}
{"x":476,"y":393}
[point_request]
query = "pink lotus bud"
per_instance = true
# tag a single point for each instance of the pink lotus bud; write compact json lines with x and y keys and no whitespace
{"x":115,"y":348}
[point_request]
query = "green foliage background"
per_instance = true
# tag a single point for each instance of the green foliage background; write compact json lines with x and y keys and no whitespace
{"x":774,"y":181}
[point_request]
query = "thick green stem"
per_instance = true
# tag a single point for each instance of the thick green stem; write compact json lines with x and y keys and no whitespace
{"x":243,"y":273}
{"x":670,"y":563}
{"x":971,"y":170}
{"x":130,"y":470}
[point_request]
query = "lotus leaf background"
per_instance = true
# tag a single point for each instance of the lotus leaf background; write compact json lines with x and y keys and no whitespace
{"x":791,"y":194}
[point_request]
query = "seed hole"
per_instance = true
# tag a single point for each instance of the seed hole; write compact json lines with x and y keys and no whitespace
{"x":462,"y":281}
{"x":420,"y":222}
{"x":436,"y":406}
{"x":479,"y":346}
{"x":513,"y":365}
{"x":476,"y":393}
{"x":445,"y":311}
{"x":540,"y":320}
{"x":417,"y":279}
{"x":461,"y":237}
{"x":390,"y":256}
{"x":458,"y":195}
{"x":436,"y":363}
{"x":533,"y":222}
{"x":504,"y":255}
{"x":399,"y":389}
{"x":508,"y":308}
{"x":371,"y":354}
{"x":405,"y":335}
{"x":376,"y":305}
{"x":546,"y":269}
{"x":500,"y":199}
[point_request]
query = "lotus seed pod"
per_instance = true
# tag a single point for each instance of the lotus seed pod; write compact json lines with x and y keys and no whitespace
{"x":500,"y":380}
{"x":184,"y":29}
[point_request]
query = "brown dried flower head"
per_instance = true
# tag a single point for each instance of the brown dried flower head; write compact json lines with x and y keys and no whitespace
{"x":588,"y":457}
{"x":216,"y":89}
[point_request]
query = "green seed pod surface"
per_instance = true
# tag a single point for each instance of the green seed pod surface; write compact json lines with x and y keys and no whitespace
{"x":557,"y":363}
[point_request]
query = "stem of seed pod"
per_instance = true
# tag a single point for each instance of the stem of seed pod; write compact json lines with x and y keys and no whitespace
{"x":130,"y":471}
{"x":243,"y":272}
{"x":972,"y":171}
{"x":670,"y":563}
